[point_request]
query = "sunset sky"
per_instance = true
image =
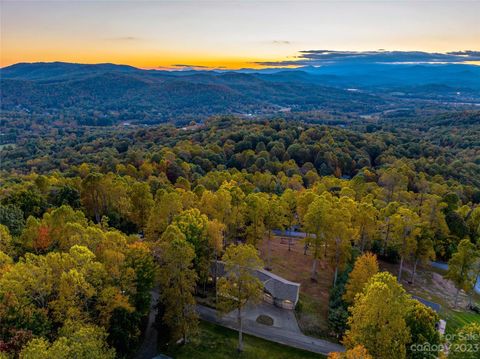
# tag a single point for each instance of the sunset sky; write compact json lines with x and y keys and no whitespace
{"x":157,"y":34}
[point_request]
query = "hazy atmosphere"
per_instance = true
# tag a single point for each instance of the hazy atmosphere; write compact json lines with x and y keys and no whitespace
{"x":232,"y":34}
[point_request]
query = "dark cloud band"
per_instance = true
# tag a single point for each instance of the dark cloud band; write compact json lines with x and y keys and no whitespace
{"x":329,"y":57}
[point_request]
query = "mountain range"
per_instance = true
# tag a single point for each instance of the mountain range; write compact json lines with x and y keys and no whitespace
{"x":126,"y":93}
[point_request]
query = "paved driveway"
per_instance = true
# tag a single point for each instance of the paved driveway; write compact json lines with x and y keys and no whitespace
{"x":148,"y":348}
{"x":282,"y":318}
{"x":276,"y":334}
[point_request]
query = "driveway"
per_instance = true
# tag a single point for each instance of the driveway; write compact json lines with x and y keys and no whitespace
{"x":286,"y":334}
{"x":282,"y":319}
{"x":148,"y":348}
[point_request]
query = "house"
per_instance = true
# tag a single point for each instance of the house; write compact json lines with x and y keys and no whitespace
{"x":276,"y":290}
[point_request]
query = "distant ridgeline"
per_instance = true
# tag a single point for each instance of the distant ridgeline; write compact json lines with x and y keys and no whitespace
{"x":107,"y":94}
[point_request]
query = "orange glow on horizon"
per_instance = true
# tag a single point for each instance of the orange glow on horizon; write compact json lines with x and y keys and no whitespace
{"x":153,"y":61}
{"x":226,"y":34}
{"x":144,"y":61}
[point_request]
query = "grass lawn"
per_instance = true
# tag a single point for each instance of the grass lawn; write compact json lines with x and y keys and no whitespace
{"x":215,"y":342}
{"x":457,"y":319}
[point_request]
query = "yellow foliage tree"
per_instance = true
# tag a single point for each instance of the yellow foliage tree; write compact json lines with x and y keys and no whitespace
{"x":377,"y":318}
{"x":358,"y":352}
{"x":366,"y":266}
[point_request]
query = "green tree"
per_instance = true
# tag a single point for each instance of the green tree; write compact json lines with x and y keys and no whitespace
{"x":139,"y":258}
{"x":386,"y":214}
{"x":465,"y":342}
{"x":316,"y":221}
{"x":422,"y":322}
{"x":392,"y":179}
{"x":339,"y":233}
{"x":236,"y":221}
{"x":93,"y":195}
{"x":78,"y":341}
{"x":167,"y":206}
{"x":256,"y":213}
{"x":424,"y":250}
{"x":405,"y":230}
{"x":12,"y":217}
{"x":366,"y":220}
{"x":141,"y":203}
{"x":275,"y":218}
{"x":194,"y":225}
{"x":239,"y":285}
{"x":461,"y":267}
{"x":177,"y":280}
{"x":6,"y":242}
{"x":378,"y":318}
{"x":289,"y":199}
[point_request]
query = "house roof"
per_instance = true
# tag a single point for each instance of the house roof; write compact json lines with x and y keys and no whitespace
{"x":278,"y":287}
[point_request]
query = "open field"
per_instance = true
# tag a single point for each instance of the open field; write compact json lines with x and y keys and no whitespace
{"x":215,"y":342}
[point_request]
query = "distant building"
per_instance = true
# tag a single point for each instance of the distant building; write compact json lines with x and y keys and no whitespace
{"x":277,"y":290}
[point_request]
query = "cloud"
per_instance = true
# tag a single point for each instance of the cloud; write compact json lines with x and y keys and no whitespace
{"x":281,"y":42}
{"x":330,"y":57}
{"x":191,"y":66}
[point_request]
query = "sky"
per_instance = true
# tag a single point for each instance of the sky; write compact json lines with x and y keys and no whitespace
{"x":228,"y":34}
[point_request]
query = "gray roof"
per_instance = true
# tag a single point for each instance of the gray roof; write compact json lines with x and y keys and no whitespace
{"x":435,"y":306}
{"x":278,"y":287}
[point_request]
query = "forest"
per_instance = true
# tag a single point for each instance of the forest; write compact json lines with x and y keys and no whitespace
{"x":93,"y":220}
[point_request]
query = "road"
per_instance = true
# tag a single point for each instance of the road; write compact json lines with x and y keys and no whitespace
{"x":148,"y":348}
{"x":277,"y":335}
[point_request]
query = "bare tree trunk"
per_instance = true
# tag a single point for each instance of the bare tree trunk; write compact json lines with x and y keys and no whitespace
{"x":240,"y":334}
{"x":215,"y":269}
{"x":269,"y":263}
{"x":414,"y":270}
{"x":420,"y":205}
{"x":289,"y":244}
{"x":387,"y":235}
{"x":362,"y":241}
{"x":400,"y":270}
{"x":456,"y":297}
{"x":184,"y":334}
{"x":390,"y":195}
{"x":337,"y":259}
{"x":314,"y":269}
